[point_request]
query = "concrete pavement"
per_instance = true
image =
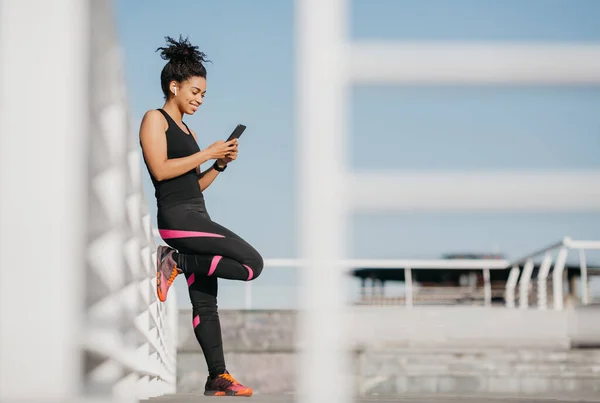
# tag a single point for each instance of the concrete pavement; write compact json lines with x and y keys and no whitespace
{"x":439,"y":398}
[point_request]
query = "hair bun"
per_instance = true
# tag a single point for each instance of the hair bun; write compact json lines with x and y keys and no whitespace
{"x":181,"y":51}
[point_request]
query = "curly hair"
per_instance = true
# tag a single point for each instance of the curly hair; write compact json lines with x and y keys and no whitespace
{"x":184,"y":61}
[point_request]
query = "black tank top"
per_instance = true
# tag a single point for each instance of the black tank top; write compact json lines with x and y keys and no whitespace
{"x":183,"y":188}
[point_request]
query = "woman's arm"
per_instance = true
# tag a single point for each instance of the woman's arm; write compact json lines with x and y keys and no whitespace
{"x":207,"y":177}
{"x":154,"y":146}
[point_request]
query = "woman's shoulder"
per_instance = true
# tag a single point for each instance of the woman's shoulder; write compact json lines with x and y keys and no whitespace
{"x":154,"y":117}
{"x":154,"y":114}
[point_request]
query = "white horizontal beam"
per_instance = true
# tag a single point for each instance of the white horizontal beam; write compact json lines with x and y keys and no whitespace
{"x":475,"y":191}
{"x":583,"y":244}
{"x":474,"y":63}
{"x":435,"y":264}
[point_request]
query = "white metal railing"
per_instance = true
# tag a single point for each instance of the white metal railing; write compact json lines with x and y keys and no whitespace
{"x":517,"y":277}
{"x":127,"y":327}
{"x":79,"y":314}
{"x":408,"y":265}
{"x":523,"y":277}
{"x":328,"y":63}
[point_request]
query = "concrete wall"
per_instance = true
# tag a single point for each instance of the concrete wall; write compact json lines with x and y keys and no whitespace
{"x":420,"y":350}
{"x":259,"y":350}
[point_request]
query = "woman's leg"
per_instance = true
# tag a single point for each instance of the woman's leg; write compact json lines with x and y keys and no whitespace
{"x":207,"y":329}
{"x":202,"y":247}
{"x":205,"y":319}
{"x":184,"y":228}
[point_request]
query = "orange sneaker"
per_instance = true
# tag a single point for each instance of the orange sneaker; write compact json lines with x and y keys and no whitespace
{"x":225,"y":385}
{"x":166,"y":271}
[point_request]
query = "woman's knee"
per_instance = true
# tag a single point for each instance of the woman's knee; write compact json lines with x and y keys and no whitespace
{"x":256,"y":265}
{"x":204,"y":308}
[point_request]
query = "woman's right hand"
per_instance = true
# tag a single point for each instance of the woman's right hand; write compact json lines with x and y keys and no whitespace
{"x":221,"y":149}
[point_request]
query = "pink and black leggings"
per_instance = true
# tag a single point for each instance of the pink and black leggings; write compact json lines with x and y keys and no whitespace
{"x":207,"y":251}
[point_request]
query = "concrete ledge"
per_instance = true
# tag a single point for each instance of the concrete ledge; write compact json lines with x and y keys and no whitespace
{"x":245,"y":331}
{"x":397,"y":351}
{"x":584,"y":326}
{"x":275,"y":331}
{"x":459,"y":326}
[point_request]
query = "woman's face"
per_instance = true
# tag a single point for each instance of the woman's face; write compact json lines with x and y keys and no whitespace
{"x":189,"y":94}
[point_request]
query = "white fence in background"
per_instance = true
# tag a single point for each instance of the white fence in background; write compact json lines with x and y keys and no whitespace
{"x":79,"y":314}
{"x":328,"y":63}
{"x":523,"y":276}
{"x":520,"y":274}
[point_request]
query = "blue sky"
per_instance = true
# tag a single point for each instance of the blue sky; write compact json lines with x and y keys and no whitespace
{"x":251,"y":81}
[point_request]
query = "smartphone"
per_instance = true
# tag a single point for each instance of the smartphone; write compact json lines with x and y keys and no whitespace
{"x":237,"y":132}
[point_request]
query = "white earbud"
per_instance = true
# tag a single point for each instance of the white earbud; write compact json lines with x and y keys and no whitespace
{"x":175,"y":90}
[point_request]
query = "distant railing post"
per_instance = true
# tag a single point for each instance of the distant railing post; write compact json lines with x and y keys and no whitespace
{"x":557,"y":279}
{"x":524,"y":284}
{"x":584,"y":278}
{"x":408,"y":286}
{"x":487,"y":288}
{"x":511,"y":284}
{"x":542,"y":281}
{"x":248,"y":294}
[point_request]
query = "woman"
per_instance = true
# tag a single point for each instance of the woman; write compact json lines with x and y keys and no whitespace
{"x":199,"y":248}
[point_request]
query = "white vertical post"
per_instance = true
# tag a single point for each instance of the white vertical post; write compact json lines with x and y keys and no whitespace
{"x":320,"y":84}
{"x":248,"y":294}
{"x":584,"y":278}
{"x":108,"y":304}
{"x":557,"y":279}
{"x":43,"y":151}
{"x":487,"y":287}
{"x":542,"y":281}
{"x":511,"y":284}
{"x":524,"y":284}
{"x":408,"y":287}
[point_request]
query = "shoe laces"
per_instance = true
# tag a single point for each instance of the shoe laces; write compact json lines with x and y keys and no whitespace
{"x":174,"y":273}
{"x":229,"y":378}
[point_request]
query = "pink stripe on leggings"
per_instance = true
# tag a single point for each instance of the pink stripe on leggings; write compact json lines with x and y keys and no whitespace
{"x":173,"y":233}
{"x":250,"y":272}
{"x":196,"y":321}
{"x":213,"y":264}
{"x":191,"y":280}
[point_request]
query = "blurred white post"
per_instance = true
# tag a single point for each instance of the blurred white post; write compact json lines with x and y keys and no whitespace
{"x":43,"y":150}
{"x":408,"y":287}
{"x":511,"y":283}
{"x":584,"y":277}
{"x":487,"y":287}
{"x":248,"y":294}
{"x":321,"y":153}
{"x":557,"y":278}
{"x":542,"y":281}
{"x":524,"y":284}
